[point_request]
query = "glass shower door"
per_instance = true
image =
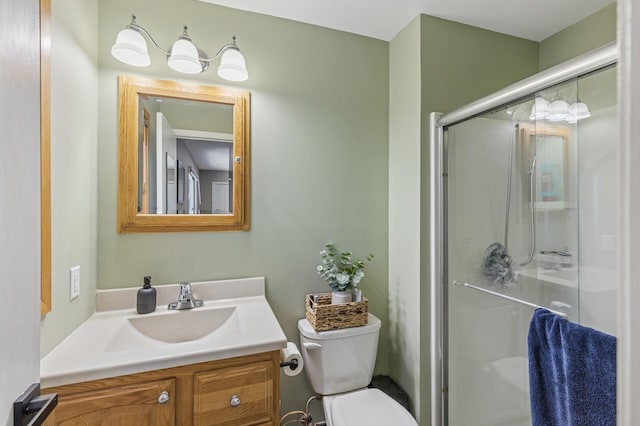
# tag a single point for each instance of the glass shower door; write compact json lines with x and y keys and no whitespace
{"x":511,"y":194}
{"x":530,"y":215}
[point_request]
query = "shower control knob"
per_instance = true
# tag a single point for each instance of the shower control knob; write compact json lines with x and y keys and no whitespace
{"x":235,"y":401}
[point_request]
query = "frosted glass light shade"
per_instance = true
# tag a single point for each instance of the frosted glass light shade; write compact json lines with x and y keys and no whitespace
{"x":558,"y":111}
{"x":131,"y":48}
{"x":232,"y":66}
{"x":540,"y":109}
{"x":578,"y":111}
{"x":184,"y":57}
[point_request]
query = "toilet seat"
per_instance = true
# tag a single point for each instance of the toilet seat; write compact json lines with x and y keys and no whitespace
{"x":367,"y":407}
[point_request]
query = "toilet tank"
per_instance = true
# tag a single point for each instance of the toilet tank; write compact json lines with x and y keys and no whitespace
{"x":342,"y":360}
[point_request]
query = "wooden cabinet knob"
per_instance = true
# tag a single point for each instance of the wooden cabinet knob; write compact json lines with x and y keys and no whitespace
{"x":235,"y":401}
{"x":164,"y":397}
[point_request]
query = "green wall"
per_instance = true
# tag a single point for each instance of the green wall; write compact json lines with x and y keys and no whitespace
{"x":592,"y":32}
{"x":74,"y":164}
{"x":461,"y":63}
{"x":319,"y":132}
{"x":404,"y":210}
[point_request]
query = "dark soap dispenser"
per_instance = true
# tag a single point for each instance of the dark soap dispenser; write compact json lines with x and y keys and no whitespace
{"x":146,"y":297}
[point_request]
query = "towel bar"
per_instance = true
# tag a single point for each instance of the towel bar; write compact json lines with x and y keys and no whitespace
{"x":504,"y":296}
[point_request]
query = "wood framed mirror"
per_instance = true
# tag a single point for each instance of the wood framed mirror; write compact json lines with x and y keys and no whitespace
{"x":550,"y":144}
{"x":164,"y":125}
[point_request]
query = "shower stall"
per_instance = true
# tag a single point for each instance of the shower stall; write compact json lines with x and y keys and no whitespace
{"x":524,"y":195}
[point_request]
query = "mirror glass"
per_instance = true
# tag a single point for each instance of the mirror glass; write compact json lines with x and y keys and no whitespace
{"x":185,"y":149}
{"x":199,"y":136}
{"x":550,"y":151}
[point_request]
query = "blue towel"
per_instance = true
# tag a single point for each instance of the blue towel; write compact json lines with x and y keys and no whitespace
{"x":572,"y":373}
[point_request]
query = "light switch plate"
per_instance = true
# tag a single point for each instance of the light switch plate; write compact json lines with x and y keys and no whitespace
{"x":74,"y":282}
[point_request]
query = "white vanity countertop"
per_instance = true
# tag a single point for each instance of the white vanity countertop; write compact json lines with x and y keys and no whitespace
{"x":108,"y":345}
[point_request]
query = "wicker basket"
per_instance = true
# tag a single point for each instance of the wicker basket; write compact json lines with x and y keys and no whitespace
{"x":324,"y":316}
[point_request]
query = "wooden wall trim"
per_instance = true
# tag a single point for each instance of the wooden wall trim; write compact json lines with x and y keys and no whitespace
{"x":45,"y":156}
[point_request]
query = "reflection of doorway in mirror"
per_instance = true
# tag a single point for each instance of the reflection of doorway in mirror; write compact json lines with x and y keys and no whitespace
{"x":220,"y":198}
{"x":194,"y":193}
{"x":166,"y":148}
{"x":144,"y":185}
{"x":180,"y":183}
{"x":172,"y":191}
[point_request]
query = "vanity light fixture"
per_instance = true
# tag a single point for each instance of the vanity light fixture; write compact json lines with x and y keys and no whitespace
{"x":131,"y":48}
{"x":558,"y":110}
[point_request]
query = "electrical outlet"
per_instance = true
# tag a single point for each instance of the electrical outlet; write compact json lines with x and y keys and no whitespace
{"x":74,"y":282}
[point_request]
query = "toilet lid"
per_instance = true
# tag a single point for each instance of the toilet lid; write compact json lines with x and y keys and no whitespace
{"x":369,"y":407}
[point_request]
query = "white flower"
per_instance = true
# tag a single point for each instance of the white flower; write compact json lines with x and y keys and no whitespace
{"x":360,"y":275}
{"x":319,"y":268}
{"x":342,"y":278}
{"x":356,"y":280}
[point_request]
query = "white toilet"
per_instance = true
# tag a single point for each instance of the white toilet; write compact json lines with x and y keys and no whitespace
{"x":339,"y":364}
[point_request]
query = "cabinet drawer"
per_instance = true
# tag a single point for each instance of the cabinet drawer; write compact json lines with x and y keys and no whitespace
{"x":252,"y":386}
{"x":122,"y":405}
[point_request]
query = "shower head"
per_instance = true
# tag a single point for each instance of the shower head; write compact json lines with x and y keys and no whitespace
{"x":533,"y":166}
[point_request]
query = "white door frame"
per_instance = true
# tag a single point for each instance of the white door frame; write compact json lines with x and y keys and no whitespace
{"x":629,"y":244}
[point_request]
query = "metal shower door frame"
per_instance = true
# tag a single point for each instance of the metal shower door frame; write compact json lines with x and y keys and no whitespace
{"x":573,"y":68}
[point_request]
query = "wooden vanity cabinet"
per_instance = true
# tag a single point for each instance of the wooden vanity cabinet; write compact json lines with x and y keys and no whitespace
{"x":241,"y":391}
{"x":121,"y":405}
{"x":225,"y":395}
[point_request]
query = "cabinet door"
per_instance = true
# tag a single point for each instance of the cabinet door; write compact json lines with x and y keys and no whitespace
{"x":238,"y":395}
{"x":139,"y":405}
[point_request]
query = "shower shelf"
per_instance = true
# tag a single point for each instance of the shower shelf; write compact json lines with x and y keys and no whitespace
{"x":555,"y":205}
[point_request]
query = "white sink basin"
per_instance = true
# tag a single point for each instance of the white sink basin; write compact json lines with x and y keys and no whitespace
{"x":236,"y":320}
{"x":182,"y":326}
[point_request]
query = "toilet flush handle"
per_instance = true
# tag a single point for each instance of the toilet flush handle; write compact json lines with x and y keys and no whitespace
{"x":311,"y":346}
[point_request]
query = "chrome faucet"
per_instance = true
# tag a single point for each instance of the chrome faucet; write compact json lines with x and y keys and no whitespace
{"x":186,"y":300}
